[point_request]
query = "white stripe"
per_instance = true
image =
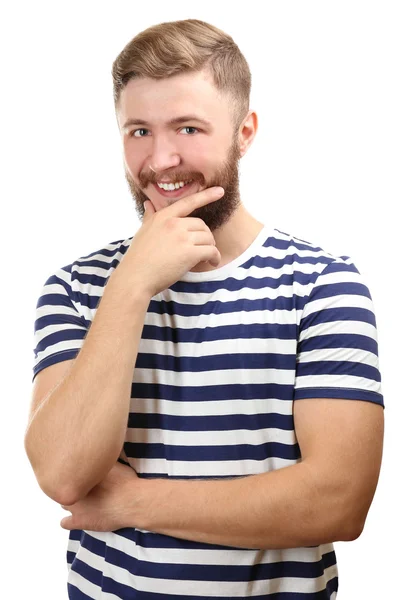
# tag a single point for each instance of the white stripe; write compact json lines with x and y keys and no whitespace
{"x":58,"y":348}
{"x":343,"y":354}
{"x":345,"y":382}
{"x":216,"y":347}
{"x":227,"y":556}
{"x":339,"y":301}
{"x":202,"y":379}
{"x":193,"y":469}
{"x":339,"y":327}
{"x":85,"y":586}
{"x":210,"y":438}
{"x":207,"y":407}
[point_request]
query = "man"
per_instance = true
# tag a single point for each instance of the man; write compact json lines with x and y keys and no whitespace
{"x":207,"y":401}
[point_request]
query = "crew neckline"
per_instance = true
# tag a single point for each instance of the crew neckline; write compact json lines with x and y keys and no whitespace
{"x":264,"y":234}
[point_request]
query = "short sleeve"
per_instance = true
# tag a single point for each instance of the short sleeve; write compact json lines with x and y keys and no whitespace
{"x":337,"y":349}
{"x":59,"y":328}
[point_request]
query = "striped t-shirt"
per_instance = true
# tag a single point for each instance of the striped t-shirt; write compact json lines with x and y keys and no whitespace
{"x":222,"y":357}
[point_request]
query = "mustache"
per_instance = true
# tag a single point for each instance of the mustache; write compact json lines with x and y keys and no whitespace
{"x":172,"y":178}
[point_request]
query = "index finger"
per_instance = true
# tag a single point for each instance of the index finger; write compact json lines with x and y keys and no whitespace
{"x":185,"y":206}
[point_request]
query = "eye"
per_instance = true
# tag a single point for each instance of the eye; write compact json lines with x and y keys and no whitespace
{"x":133,"y":133}
{"x":189,"y":127}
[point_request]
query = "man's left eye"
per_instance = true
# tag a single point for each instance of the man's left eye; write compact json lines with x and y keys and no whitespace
{"x":188,"y":127}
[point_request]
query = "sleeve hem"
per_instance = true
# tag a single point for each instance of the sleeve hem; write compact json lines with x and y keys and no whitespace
{"x":345,"y":393}
{"x":54,"y":359}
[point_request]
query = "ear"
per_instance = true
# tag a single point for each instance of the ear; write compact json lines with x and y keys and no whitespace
{"x":248,"y":131}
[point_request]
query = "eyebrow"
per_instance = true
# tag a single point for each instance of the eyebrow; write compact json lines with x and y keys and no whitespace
{"x":175,"y":121}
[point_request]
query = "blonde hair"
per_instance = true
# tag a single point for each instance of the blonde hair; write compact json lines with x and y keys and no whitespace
{"x":168,"y":49}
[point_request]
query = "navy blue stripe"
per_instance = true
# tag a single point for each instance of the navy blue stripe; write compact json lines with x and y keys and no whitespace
{"x":59,"y":336}
{"x":92,"y":544}
{"x":70,"y":557}
{"x":54,"y":299}
{"x":60,"y":319}
{"x":252,"y":422}
{"x":229,"y":392}
{"x":331,"y":392}
{"x":75,"y":534}
{"x":55,"y":280}
{"x":293,"y":260}
{"x":179,"y":364}
{"x":217,"y":307}
{"x":93,"y":575}
{"x":127,"y":593}
{"x":105,"y":251}
{"x":54,"y":359}
{"x":342,"y":313}
{"x":232,"y":284}
{"x":75,"y":594}
{"x":338,"y":340}
{"x":238,"y":452}
{"x":339,"y":289}
{"x":224,"y":332}
{"x":95,"y":263}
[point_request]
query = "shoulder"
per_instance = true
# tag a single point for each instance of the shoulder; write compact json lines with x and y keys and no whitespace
{"x":85,"y":278}
{"x":300,"y":248}
{"x":311,"y":263}
{"x":96,"y":267}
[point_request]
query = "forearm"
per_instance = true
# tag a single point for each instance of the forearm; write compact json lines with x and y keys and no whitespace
{"x":77,"y":434}
{"x":280,"y":509}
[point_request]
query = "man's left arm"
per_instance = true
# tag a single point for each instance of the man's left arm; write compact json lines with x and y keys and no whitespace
{"x":323,"y":498}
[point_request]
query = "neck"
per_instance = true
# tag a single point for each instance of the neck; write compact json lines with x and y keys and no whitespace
{"x":233,"y":238}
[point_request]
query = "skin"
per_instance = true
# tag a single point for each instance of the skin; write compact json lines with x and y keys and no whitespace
{"x":208,"y":155}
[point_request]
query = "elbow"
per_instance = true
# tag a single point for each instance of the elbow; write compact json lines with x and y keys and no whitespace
{"x":346,"y":527}
{"x":64,"y":497}
{"x":333,"y":529}
{"x":51,"y":485}
{"x":336,"y":518}
{"x":67,"y":493}
{"x":352,"y":529}
{"x":61,"y":494}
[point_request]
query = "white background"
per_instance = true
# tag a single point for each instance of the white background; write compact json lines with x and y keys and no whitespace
{"x":324,"y":167}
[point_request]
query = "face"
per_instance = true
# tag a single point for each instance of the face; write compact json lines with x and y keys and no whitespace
{"x":155,"y":151}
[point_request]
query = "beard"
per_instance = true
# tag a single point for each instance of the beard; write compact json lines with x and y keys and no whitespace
{"x":214,"y":214}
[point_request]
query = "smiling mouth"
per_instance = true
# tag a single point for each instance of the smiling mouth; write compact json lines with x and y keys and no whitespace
{"x":173,"y":193}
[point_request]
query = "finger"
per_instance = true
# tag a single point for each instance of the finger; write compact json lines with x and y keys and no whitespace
{"x":184,"y":206}
{"x":66,"y":523}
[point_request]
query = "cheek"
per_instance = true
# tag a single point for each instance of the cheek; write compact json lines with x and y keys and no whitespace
{"x":199,"y":158}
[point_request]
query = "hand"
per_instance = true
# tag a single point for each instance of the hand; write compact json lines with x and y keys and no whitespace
{"x":169,"y":244}
{"x":110,"y":505}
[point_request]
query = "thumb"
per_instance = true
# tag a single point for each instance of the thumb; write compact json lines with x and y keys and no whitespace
{"x":148,"y":209}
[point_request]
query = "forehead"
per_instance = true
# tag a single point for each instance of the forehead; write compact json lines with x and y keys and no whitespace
{"x":158,"y":100}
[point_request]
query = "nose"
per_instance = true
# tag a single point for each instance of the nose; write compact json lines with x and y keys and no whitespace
{"x":163,"y":156}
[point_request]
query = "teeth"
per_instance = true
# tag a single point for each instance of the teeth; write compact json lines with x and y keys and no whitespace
{"x":172,"y":186}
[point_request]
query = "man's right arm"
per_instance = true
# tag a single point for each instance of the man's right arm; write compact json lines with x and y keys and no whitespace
{"x":76,"y":434}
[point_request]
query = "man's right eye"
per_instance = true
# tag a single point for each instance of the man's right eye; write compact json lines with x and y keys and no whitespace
{"x":133,"y":133}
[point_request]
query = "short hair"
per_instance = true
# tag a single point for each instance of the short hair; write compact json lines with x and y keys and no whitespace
{"x":187,"y":46}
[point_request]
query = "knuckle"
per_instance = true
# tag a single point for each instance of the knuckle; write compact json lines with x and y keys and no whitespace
{"x":171,"y":224}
